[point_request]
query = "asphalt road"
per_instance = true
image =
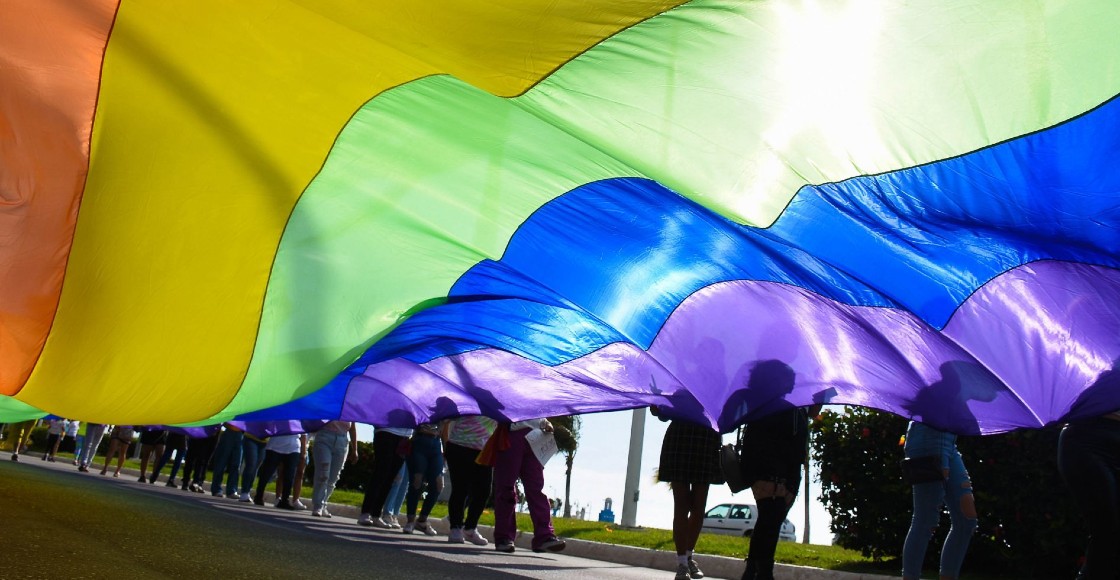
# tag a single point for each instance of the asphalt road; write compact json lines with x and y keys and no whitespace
{"x":58,"y":523}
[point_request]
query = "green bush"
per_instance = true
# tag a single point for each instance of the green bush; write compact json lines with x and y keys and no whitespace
{"x":1028,"y":526}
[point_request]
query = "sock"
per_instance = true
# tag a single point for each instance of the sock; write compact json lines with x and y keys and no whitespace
{"x":682,"y":559}
{"x":689,"y":554}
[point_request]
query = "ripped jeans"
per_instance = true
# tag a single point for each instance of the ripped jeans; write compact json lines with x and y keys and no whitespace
{"x":928,"y":499}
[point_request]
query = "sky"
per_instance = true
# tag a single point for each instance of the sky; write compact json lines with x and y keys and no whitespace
{"x":599,"y":472}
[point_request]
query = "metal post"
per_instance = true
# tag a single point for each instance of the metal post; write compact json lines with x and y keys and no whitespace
{"x":634,"y":469}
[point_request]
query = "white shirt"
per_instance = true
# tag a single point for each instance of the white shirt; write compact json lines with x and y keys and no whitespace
{"x":283,"y":444}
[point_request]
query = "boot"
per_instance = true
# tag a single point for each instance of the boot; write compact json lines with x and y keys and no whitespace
{"x":751,"y":573}
{"x":765,"y":570}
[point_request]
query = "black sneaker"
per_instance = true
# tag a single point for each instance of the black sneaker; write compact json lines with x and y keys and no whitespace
{"x":694,"y":571}
{"x":552,"y":544}
{"x":505,"y":547}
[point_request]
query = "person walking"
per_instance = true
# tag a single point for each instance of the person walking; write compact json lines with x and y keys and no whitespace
{"x":953,"y":490}
{"x":471,"y":482}
{"x":1089,"y":461}
{"x":199,"y":450}
{"x":335,"y":445}
{"x":390,"y":446}
{"x":56,"y":430}
{"x":514,"y":459}
{"x":95,"y":432}
{"x":252,"y":456}
{"x":176,"y":445}
{"x":152,"y":441}
{"x":689,"y":464}
{"x":425,"y":465}
{"x":283,"y":451}
{"x":227,"y":461}
{"x":119,"y":440}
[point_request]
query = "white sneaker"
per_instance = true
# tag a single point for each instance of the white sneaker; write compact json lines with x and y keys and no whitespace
{"x":426,"y":528}
{"x":474,"y":537}
{"x":455,"y":536}
{"x":245,"y":497}
{"x":298,"y":505}
{"x":317,"y":513}
{"x":365,"y":520}
{"x":391,"y":521}
{"x":326,"y":514}
{"x":408,"y":527}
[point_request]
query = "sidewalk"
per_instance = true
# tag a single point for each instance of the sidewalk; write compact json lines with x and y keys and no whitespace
{"x":715,"y":567}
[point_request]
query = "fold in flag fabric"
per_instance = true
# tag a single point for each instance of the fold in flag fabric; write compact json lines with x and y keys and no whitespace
{"x":276,"y":212}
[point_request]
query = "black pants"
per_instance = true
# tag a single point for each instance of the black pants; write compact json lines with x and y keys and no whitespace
{"x":1089,"y":460}
{"x":386,"y":463}
{"x":470,"y":485}
{"x":272,"y":460}
{"x":199,"y":451}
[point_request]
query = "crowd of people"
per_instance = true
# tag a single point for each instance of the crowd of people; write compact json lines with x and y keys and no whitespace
{"x":484,"y":459}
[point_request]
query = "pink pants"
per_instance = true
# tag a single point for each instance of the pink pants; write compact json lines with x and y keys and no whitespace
{"x":519,"y":462}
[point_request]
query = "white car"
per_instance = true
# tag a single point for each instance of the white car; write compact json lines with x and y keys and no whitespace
{"x":738,"y":519}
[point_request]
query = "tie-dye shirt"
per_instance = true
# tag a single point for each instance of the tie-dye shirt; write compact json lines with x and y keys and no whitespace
{"x":471,"y":431}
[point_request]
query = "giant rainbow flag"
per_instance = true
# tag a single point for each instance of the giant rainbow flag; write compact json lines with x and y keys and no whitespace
{"x":272,"y":210}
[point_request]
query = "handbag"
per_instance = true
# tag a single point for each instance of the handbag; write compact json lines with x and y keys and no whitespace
{"x":731,"y":466}
{"x":925,"y":469}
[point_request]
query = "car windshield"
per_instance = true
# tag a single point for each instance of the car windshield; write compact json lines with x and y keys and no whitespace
{"x":720,"y":511}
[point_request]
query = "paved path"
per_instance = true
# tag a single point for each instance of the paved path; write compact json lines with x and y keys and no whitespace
{"x":57,"y":522}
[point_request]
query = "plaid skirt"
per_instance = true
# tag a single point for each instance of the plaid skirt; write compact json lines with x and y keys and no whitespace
{"x":690,"y":454}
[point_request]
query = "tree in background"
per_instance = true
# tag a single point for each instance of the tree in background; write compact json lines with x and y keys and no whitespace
{"x":567,"y":440}
{"x":1028,"y":526}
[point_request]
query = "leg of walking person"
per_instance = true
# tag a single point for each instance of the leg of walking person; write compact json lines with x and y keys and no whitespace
{"x":479,"y":481}
{"x":325,"y":453}
{"x":507,"y":468}
{"x":1089,"y":460}
{"x":928,"y":498}
{"x":394,"y":502}
{"x":252,"y":455}
{"x":457,"y":457}
{"x":289,"y":464}
{"x":386,"y":463}
{"x":95,"y":432}
{"x":962,"y":513}
{"x":532,"y":478}
{"x":114,"y":445}
{"x":433,"y":480}
{"x":264,"y":476}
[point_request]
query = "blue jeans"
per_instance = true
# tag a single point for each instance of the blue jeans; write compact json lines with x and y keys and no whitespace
{"x":94,"y":433}
{"x":397,"y":493}
{"x":425,"y":461}
{"x":167,"y":452}
{"x":252,"y":455}
{"x":330,"y":456}
{"x":227,"y":460}
{"x":928,"y":499}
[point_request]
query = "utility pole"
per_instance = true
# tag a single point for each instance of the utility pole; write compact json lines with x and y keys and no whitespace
{"x":634,"y":469}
